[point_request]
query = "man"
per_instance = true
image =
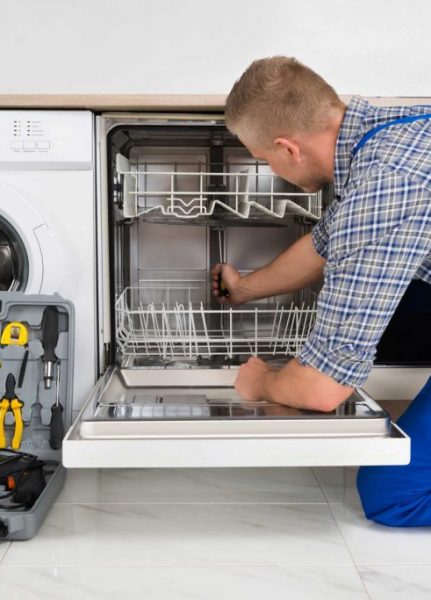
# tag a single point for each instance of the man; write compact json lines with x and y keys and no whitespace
{"x":372,"y":241}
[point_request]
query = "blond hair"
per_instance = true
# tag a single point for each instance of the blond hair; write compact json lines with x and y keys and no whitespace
{"x":279,"y":96}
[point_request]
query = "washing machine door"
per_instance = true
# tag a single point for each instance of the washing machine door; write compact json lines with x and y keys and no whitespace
{"x":26,"y":245}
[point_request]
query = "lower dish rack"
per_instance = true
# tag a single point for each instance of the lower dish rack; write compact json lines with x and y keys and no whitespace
{"x":190,"y":330}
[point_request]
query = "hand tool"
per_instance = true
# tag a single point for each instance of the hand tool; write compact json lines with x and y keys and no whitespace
{"x":16,"y":334}
{"x":23,"y":477}
{"x":14,"y":404}
{"x":222,"y":289}
{"x":56,"y":431}
{"x":50,"y":332}
{"x":36,"y":426}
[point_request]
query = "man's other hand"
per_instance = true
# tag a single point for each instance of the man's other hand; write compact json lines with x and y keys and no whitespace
{"x":250,"y":379}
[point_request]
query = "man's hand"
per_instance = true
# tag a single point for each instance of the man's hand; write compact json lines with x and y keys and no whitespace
{"x":295,"y":268}
{"x":231,"y":280}
{"x":251,"y":379}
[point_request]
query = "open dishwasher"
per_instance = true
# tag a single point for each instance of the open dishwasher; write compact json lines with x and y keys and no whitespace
{"x":177,"y":194}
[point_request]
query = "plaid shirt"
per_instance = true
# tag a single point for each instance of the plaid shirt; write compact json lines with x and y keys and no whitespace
{"x":375,"y":236}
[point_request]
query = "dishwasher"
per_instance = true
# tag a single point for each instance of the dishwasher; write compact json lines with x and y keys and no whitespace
{"x":178,"y":193}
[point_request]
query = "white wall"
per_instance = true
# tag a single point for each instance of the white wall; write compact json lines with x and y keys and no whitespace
{"x":370,"y":47}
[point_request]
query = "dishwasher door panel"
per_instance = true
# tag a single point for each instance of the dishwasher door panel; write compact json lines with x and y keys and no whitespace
{"x":156,"y":418}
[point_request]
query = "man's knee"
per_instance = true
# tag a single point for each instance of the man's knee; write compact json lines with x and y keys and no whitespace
{"x":374,"y":502}
{"x":400,"y":496}
{"x":392,"y":496}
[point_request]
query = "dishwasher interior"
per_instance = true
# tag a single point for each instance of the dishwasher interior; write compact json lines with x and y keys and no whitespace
{"x":186,"y":198}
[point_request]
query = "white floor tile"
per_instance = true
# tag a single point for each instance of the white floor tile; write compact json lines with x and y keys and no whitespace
{"x":371,"y":543}
{"x":174,"y":583}
{"x":184,"y":535}
{"x":191,"y":485}
{"x":338,"y":483}
{"x":403,"y":582}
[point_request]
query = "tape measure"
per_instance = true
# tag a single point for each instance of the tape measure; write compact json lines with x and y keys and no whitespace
{"x":14,"y":334}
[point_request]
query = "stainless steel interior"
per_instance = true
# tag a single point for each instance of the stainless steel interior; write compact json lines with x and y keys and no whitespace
{"x":180,"y":205}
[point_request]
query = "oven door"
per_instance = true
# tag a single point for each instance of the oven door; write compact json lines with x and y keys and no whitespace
{"x":194,"y":418}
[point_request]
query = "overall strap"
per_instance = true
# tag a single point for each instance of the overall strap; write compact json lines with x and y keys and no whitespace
{"x":373,"y":132}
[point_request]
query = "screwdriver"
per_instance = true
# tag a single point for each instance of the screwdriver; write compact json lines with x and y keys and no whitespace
{"x":49,"y":341}
{"x":222,"y":289}
{"x":56,"y":427}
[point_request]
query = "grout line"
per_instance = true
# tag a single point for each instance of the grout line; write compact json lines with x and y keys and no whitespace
{"x":6,"y":551}
{"x":206,"y":566}
{"x":180,"y":565}
{"x":394,"y":564}
{"x":186,"y":503}
{"x":347,"y":546}
{"x":320,"y":486}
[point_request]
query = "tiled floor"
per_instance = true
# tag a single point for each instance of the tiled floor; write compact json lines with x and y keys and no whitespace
{"x":216,"y":534}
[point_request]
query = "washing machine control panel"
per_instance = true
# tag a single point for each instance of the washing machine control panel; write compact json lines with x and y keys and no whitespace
{"x":46,"y":139}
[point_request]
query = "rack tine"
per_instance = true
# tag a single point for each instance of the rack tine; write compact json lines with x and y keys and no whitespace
{"x":204,"y":325}
{"x":143,"y":321}
{"x":280,"y":320}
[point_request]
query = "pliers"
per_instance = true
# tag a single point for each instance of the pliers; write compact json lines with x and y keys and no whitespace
{"x":10,"y":402}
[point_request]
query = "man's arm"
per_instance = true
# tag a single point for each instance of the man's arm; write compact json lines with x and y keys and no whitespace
{"x":296,"y":268}
{"x":377,"y":250}
{"x":294,"y":385}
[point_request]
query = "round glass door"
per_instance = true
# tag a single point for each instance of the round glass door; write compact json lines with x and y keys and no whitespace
{"x":13,"y":259}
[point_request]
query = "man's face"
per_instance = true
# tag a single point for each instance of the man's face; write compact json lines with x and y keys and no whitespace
{"x":297,"y":168}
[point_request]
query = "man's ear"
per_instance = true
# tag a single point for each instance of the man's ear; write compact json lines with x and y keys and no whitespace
{"x":289,"y":147}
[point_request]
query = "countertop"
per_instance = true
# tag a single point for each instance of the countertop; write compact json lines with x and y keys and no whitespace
{"x":149,"y":102}
{"x":110,"y":102}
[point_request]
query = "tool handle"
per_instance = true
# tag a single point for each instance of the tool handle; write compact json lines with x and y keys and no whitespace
{"x":56,"y":432}
{"x":23,"y":368}
{"x":10,"y":387}
{"x":50,"y":330}
{"x":222,"y":289}
{"x":16,"y":406}
{"x":4,"y":407}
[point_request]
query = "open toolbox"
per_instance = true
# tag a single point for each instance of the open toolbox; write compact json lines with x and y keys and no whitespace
{"x":36,"y":376}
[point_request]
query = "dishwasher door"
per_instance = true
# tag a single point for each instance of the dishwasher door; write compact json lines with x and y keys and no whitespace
{"x":194,"y":418}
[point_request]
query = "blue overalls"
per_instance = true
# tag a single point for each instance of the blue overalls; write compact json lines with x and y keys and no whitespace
{"x":400,"y":496}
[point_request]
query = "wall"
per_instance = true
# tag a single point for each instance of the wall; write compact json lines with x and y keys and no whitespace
{"x":370,"y":47}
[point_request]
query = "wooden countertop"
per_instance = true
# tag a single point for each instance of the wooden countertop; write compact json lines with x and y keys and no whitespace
{"x":150,"y":102}
{"x":110,"y":102}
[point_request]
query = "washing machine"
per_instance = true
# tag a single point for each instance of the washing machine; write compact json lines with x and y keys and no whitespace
{"x":47,"y":218}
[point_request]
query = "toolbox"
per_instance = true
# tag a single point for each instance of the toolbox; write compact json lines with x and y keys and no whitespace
{"x":36,"y":351}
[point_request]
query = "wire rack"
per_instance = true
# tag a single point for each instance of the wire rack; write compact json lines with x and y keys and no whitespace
{"x":190,"y":330}
{"x":245,"y":191}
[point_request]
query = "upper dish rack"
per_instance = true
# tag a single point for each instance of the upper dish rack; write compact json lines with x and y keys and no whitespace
{"x":246,"y":191}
